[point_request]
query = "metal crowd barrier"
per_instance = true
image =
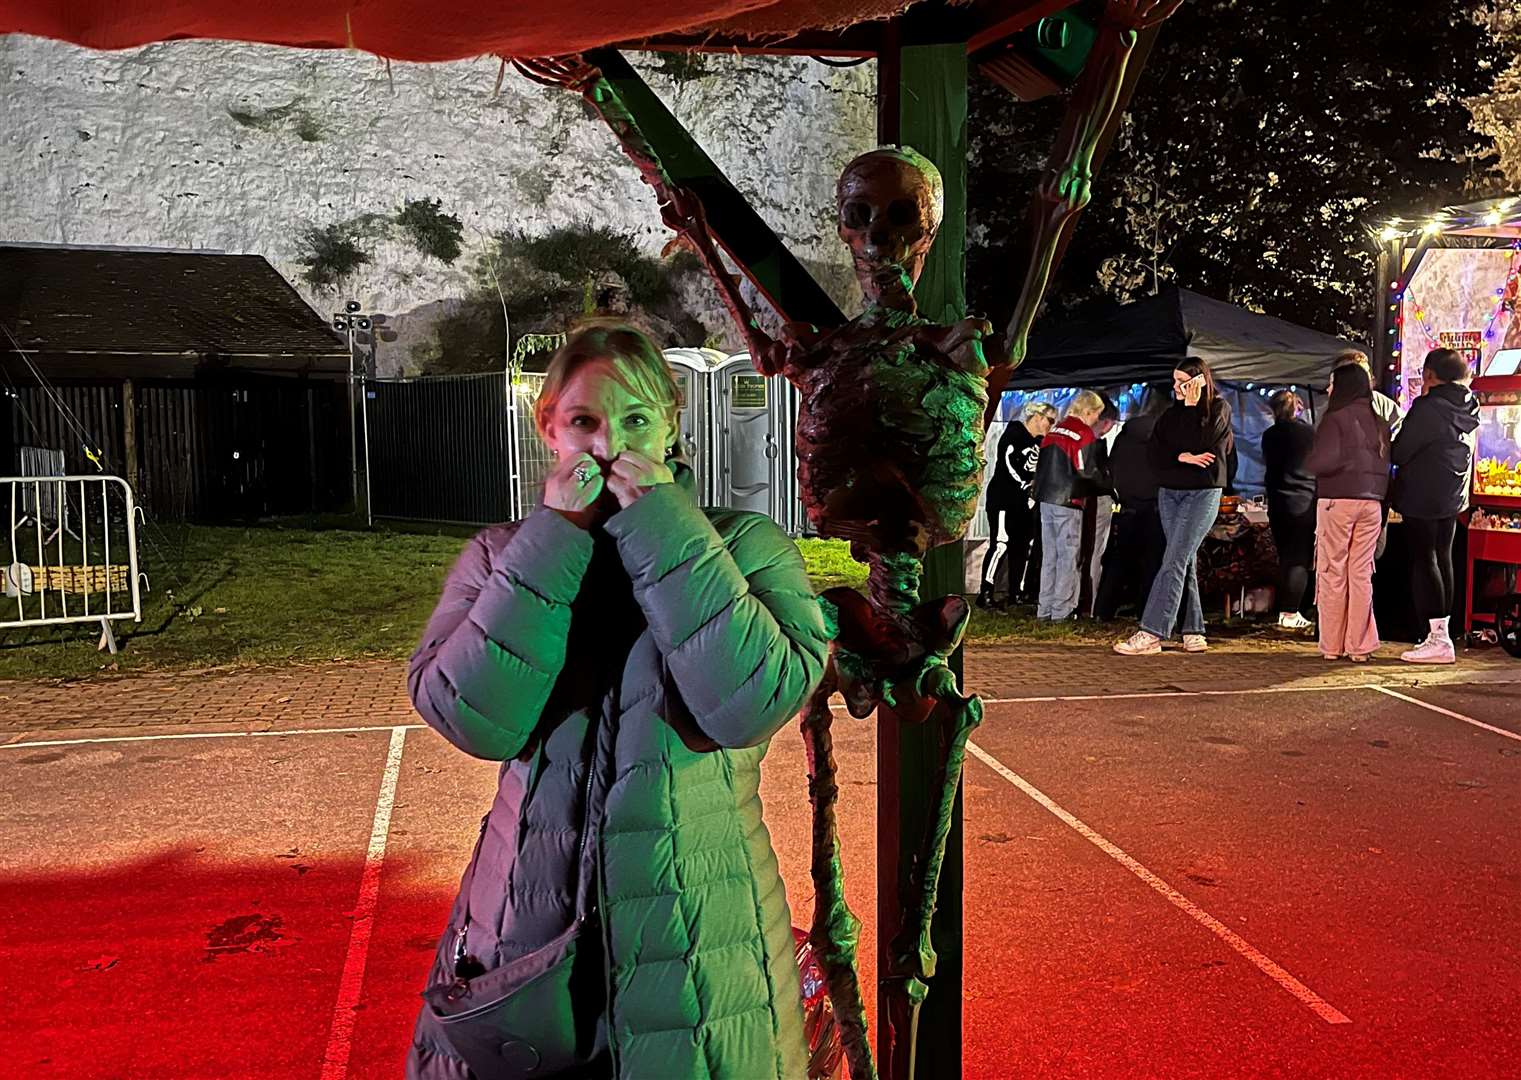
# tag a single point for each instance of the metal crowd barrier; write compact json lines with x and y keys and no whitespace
{"x":72,"y":553}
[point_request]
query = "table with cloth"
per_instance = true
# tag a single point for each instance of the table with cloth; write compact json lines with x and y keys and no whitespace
{"x":1238,"y":555}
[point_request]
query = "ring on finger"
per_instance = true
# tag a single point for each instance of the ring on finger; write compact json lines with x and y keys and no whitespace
{"x":583,"y":472}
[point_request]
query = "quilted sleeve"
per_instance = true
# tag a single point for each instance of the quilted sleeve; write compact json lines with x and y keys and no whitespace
{"x":496,"y":642}
{"x":738,"y":625}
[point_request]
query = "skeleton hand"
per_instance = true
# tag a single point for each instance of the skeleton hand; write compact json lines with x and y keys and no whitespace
{"x":961,"y":344}
{"x":569,"y":72}
{"x":682,"y":211}
{"x":1139,"y":14}
{"x":795,"y":340}
{"x":1069,"y":187}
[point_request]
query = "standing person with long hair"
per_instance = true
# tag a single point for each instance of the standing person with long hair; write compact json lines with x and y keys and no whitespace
{"x":1350,"y":463}
{"x":1291,"y":506}
{"x":1433,"y":454}
{"x":627,"y":656}
{"x":1189,"y":447}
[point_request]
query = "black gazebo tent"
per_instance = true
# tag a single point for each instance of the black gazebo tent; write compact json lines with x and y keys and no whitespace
{"x":1114,"y":344}
{"x":1113,"y":347}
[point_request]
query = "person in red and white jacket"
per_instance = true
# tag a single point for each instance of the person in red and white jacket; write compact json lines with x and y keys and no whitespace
{"x":1068,"y":473}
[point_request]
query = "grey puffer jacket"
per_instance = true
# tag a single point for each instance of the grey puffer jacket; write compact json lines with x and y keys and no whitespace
{"x":630,"y":679}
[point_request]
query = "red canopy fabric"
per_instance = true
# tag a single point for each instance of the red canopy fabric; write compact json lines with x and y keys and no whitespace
{"x":426,"y":29}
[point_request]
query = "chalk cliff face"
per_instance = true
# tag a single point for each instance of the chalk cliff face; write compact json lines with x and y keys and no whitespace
{"x":245,"y":148}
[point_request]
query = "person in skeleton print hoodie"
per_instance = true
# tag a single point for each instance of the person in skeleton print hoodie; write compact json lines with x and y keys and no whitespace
{"x":1010,"y":503}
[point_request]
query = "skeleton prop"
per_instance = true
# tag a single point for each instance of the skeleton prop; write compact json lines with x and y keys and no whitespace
{"x":889,"y":442}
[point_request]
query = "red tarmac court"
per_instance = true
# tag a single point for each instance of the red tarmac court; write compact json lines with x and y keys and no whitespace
{"x":1170,"y":873}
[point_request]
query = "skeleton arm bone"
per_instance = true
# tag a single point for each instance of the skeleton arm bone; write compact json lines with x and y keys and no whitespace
{"x":681,"y":209}
{"x":1064,"y":188}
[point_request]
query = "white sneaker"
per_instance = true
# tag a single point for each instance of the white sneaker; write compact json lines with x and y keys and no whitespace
{"x":1434,"y":650}
{"x":1195,"y":643}
{"x":1292,"y":620}
{"x":1139,"y":643}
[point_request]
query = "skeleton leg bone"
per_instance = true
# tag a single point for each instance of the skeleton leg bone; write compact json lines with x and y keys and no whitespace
{"x":836,"y":931}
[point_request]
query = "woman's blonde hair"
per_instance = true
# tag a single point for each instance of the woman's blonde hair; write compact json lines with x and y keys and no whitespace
{"x":1087,"y":402}
{"x":632,"y":356}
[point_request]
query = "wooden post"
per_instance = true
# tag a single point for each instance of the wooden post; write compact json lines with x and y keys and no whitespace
{"x":929,"y":97}
{"x":129,"y":433}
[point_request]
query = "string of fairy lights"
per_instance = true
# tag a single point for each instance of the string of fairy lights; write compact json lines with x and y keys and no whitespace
{"x":1432,"y":341}
{"x":1494,"y":219}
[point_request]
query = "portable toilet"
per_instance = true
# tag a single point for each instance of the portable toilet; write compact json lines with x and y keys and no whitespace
{"x":753,"y":460}
{"x":691,"y":368}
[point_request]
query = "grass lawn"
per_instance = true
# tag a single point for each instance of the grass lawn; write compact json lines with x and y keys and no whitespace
{"x":279,"y":593}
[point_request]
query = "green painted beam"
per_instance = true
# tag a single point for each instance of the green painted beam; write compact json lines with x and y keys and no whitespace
{"x":929,"y":100}
{"x":757,"y":251}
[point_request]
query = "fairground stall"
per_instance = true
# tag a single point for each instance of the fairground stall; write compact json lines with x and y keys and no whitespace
{"x":1494,"y":528}
{"x":1452,"y":281}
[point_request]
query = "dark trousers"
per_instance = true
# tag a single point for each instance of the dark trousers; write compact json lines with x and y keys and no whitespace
{"x":1131,"y":561}
{"x":1011,"y":527}
{"x":1431,"y":575}
{"x":1294,"y":537}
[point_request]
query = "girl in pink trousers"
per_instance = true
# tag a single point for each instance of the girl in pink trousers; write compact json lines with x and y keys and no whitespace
{"x":1350,"y":462}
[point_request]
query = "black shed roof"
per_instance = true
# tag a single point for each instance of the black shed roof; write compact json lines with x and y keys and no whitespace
{"x":131,"y":312}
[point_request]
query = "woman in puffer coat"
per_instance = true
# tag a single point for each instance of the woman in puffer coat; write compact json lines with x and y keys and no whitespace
{"x":1350,"y":463}
{"x":627,"y":656}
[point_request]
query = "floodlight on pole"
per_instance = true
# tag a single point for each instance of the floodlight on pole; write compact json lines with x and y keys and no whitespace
{"x":350,"y":321}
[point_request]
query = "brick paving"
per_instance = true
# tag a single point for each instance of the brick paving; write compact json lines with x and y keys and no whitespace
{"x":1000,"y":671}
{"x":305,"y":696}
{"x":374,"y":692}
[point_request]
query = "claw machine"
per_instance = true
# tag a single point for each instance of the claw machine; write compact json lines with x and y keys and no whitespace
{"x":1494,"y":526}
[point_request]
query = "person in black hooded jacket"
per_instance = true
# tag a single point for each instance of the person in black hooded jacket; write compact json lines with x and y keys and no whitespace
{"x":1291,"y":506}
{"x":1433,"y":456}
{"x":1136,"y":549}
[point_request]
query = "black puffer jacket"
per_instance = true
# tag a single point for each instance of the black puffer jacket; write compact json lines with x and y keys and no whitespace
{"x":1434,"y":453}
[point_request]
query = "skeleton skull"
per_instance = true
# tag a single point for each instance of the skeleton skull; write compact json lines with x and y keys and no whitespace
{"x":890,"y":201}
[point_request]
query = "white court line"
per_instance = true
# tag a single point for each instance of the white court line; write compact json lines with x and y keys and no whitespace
{"x":1306,"y":996}
{"x":1144,"y":694}
{"x":206,"y":735}
{"x":1446,"y":712}
{"x":335,"y":1060}
{"x":837,"y":706}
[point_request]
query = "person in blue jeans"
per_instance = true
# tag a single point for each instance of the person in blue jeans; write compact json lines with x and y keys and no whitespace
{"x":1066,"y":475}
{"x":1189,"y":448}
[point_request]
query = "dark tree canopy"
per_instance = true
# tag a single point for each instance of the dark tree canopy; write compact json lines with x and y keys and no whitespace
{"x":1263,"y":142}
